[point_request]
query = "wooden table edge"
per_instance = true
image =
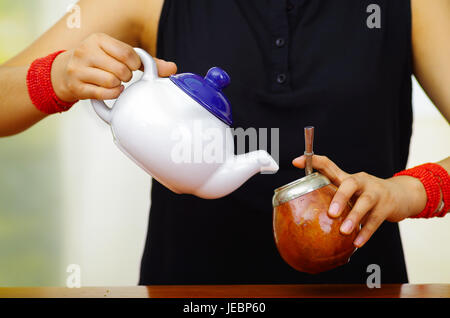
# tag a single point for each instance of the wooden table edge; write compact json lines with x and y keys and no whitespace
{"x":234,"y":291}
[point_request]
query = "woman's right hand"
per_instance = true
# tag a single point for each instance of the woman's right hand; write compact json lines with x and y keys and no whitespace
{"x":97,"y":68}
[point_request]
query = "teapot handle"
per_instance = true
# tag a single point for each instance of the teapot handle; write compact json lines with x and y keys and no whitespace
{"x":150,"y":72}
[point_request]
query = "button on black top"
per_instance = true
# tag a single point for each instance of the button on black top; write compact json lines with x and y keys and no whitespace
{"x":289,"y":6}
{"x":281,"y":78}
{"x":280,"y":42}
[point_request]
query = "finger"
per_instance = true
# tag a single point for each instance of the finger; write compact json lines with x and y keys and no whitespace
{"x":110,"y":64}
{"x":363,"y":205}
{"x":364,"y":219}
{"x":121,"y":51}
{"x":127,"y":55}
{"x":324,"y":166}
{"x":165,"y":68}
{"x":344,"y":193}
{"x":372,"y":223}
{"x":90,"y":91}
{"x":99,"y":77}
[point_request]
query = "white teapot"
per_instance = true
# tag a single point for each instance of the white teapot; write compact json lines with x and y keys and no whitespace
{"x":177,"y":129}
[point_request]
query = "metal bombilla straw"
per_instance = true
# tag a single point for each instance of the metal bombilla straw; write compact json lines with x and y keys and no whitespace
{"x":309,"y":139}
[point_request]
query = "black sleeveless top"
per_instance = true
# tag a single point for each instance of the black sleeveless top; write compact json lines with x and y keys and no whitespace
{"x":292,"y":64}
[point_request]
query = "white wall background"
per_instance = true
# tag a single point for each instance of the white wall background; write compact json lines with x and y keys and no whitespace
{"x":106,"y":199}
{"x":426,"y":241}
{"x":106,"y":203}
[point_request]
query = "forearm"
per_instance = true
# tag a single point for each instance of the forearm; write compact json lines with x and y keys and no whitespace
{"x":431,"y":50}
{"x":445,"y":164}
{"x":17,"y":112}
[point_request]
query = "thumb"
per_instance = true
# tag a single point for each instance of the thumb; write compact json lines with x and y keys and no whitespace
{"x":165,"y":68}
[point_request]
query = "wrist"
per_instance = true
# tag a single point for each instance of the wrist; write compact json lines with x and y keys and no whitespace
{"x":40,"y":86}
{"x":59,"y":84}
{"x":414,"y":195}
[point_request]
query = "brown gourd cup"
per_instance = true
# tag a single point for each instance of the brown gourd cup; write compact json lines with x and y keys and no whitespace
{"x":306,"y":237}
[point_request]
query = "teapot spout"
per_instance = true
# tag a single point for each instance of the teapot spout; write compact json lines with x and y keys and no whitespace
{"x":234,"y":172}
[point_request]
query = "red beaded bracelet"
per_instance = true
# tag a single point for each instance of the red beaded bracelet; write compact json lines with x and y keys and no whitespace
{"x":40,"y":88}
{"x":435,"y":180}
{"x":444,"y":182}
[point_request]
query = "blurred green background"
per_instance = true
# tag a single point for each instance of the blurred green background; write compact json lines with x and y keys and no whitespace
{"x":30,"y":250}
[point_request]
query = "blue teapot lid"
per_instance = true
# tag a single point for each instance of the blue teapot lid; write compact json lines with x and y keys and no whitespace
{"x":207,"y":91}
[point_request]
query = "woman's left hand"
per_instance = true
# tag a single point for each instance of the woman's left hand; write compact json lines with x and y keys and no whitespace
{"x":392,"y":199}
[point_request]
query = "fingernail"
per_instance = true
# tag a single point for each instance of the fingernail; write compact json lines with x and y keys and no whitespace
{"x":122,"y":88}
{"x":334,"y":209}
{"x":358,"y":241}
{"x":346,"y":227}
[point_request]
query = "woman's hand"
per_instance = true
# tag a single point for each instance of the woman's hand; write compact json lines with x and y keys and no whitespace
{"x":392,"y":199}
{"x":97,"y":68}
